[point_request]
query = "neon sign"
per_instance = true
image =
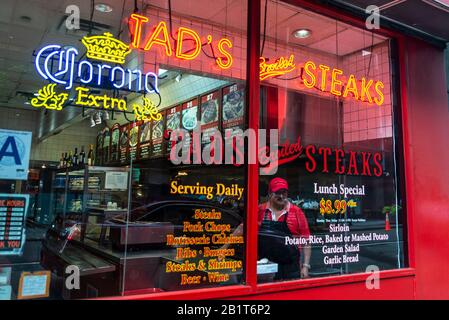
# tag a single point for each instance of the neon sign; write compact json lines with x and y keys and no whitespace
{"x":325,"y":79}
{"x":48,"y":98}
{"x":60,"y":66}
{"x":160,"y":38}
{"x":280,"y":67}
{"x":106,"y":48}
{"x":146,"y":112}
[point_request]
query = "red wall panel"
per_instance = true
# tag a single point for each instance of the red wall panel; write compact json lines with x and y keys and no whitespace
{"x":427,"y":128}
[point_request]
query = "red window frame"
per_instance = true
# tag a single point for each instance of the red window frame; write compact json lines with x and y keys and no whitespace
{"x":253,"y":104}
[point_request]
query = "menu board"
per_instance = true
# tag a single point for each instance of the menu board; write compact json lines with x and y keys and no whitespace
{"x":133,"y":140}
{"x":209,"y":115}
{"x":145,"y":140}
{"x":13,"y":209}
{"x":124,"y":138}
{"x":173,"y":123}
{"x":106,"y":145}
{"x":190,"y":115}
{"x":115,"y":137}
{"x":233,"y":106}
{"x":157,"y":136}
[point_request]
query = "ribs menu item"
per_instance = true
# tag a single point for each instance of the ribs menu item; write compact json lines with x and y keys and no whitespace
{"x":233,"y":106}
{"x":209,"y":115}
{"x":145,"y":140}
{"x":173,"y":123}
{"x":157,"y":136}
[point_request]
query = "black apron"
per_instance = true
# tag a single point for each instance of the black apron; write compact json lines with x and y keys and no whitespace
{"x":272,"y":246}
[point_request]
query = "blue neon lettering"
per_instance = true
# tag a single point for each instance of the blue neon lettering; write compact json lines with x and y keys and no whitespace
{"x":69,"y":71}
{"x":80,"y":72}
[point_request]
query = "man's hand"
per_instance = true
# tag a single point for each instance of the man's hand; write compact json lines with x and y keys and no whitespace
{"x":304,"y":272}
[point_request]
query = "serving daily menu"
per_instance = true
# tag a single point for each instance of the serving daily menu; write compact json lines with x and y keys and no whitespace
{"x":209,"y":115}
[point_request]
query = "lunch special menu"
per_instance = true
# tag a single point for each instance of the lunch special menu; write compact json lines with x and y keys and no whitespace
{"x":157,"y":136}
{"x":173,"y":123}
{"x":209,"y":115}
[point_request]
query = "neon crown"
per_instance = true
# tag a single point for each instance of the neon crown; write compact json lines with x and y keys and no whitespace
{"x":106,"y":48}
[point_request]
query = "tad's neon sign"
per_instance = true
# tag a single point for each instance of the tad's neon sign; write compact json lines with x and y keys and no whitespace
{"x":185,"y":38}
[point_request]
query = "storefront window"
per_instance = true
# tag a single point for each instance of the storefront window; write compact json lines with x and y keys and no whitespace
{"x":105,"y":208}
{"x":334,"y":205}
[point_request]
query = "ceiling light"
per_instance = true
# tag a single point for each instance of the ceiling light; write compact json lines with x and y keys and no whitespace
{"x":302,"y":33}
{"x":103,"y":7}
{"x":27,"y":102}
{"x":178,"y":78}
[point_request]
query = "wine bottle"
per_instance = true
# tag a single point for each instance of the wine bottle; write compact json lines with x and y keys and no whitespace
{"x":82,"y":159}
{"x":90,"y":156}
{"x":70,"y":160}
{"x":65,"y":160}
{"x":75,"y":158}
{"x":61,"y":161}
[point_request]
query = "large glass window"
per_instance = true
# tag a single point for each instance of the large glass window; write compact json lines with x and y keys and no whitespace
{"x":334,"y":204}
{"x":91,"y":98}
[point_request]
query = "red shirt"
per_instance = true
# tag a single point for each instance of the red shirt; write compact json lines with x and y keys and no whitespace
{"x":296,"y":220}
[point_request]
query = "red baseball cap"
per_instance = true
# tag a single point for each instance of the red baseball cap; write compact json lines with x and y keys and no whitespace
{"x":277,"y":184}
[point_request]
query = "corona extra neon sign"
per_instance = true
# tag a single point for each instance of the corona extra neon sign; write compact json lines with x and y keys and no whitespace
{"x":59,"y":65}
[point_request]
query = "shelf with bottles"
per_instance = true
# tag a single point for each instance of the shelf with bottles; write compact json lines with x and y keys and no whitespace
{"x":75,"y":160}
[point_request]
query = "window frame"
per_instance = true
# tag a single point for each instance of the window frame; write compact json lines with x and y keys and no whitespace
{"x":405,"y":165}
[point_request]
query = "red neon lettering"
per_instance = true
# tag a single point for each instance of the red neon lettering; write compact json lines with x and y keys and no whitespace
{"x":310,"y":166}
{"x":353,"y":164}
{"x":182,"y":32}
{"x":366,"y":171}
{"x":378,"y":170}
{"x":154,"y":39}
{"x":136,"y":22}
{"x":325,"y":152}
